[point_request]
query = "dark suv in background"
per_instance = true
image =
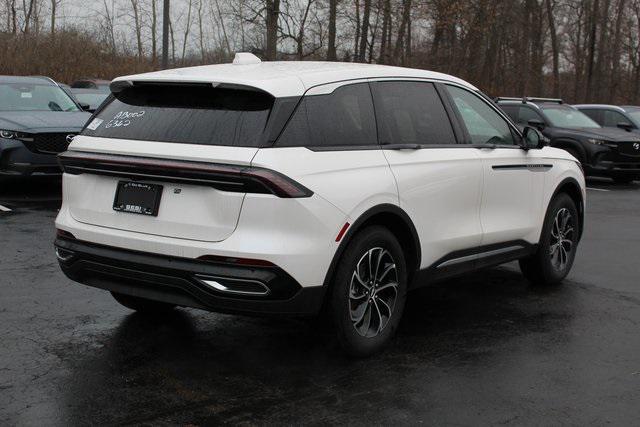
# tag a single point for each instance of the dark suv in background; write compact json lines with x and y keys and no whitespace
{"x":611,"y":116}
{"x":608,"y":152}
{"x":37,"y":121}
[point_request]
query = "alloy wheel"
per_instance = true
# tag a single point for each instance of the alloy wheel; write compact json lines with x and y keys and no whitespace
{"x":562,"y":233}
{"x":373,"y":292}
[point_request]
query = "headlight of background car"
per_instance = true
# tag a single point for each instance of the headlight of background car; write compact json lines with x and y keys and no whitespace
{"x":8,"y":134}
{"x":596,"y":141}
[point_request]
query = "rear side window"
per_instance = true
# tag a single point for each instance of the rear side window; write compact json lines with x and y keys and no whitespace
{"x":184,"y":114}
{"x":342,"y":118}
{"x":411,"y":113}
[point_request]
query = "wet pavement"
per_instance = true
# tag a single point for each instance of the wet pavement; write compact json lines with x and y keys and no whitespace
{"x":482,"y":349}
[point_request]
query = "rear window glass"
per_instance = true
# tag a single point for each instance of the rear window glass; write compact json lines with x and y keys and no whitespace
{"x":340,"y":119}
{"x":184,"y":114}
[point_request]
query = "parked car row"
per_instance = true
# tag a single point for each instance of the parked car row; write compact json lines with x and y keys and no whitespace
{"x":604,"y":138}
{"x":39,"y":118}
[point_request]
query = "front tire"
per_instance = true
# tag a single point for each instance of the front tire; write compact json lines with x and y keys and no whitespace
{"x":369,"y":292}
{"x":142,"y":305}
{"x":558,"y":243}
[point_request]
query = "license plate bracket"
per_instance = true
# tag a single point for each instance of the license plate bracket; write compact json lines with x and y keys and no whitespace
{"x":137,"y":198}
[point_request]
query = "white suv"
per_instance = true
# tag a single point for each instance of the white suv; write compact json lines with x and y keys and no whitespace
{"x":301,"y":188}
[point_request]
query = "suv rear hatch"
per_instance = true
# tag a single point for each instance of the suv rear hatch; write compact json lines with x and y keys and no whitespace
{"x":185,"y":148}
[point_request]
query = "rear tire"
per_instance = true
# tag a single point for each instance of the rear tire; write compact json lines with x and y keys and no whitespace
{"x":558,"y":243}
{"x":369,"y":292}
{"x":142,"y":305}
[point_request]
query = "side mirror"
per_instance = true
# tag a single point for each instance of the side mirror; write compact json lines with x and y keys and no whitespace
{"x":84,"y":106}
{"x":538,"y":124}
{"x":626,"y":126}
{"x":532,"y":138}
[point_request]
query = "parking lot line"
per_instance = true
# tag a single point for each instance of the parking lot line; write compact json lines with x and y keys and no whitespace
{"x":4,"y":209}
{"x":597,"y":189}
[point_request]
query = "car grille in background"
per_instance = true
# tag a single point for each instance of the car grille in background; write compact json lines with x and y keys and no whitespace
{"x":629,"y":148}
{"x":47,"y":143}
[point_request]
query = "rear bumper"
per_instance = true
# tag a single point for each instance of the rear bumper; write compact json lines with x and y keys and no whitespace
{"x":179,"y":280}
{"x":17,"y":160}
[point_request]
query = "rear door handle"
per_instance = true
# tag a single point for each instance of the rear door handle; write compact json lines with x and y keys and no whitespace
{"x":401,"y":146}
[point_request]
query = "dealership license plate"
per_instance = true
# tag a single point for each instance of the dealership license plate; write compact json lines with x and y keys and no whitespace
{"x":137,"y":198}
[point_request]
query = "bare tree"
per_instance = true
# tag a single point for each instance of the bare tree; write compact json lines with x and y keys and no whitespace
{"x":331,"y":47}
{"x":273,"y":14}
{"x":154,"y":36}
{"x":138,"y":27}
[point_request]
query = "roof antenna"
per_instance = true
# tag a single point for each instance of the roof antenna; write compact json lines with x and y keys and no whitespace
{"x":245,"y":58}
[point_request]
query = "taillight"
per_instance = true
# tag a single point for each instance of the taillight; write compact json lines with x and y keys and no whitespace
{"x":245,"y":179}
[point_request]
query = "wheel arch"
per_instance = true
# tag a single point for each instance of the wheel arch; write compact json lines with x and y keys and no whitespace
{"x":398,"y":222}
{"x":564,"y":143}
{"x":571,"y":187}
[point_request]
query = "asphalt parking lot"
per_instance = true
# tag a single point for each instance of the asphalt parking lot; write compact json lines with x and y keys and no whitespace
{"x":482,"y":349}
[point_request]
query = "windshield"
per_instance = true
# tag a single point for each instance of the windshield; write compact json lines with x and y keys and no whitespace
{"x":566,"y":117}
{"x":184,"y":114}
{"x":34,"y":97}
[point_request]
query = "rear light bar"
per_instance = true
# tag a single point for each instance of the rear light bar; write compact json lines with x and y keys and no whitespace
{"x":243,"y":179}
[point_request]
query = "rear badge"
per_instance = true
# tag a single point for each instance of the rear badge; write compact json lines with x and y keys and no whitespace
{"x":177,"y":190}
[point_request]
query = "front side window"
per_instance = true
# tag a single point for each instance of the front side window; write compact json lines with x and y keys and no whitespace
{"x":526,"y":114}
{"x":595,"y":115}
{"x":613,"y":118}
{"x":568,"y":117}
{"x":635,"y":115}
{"x":511,"y":111}
{"x":34,"y":97}
{"x":484,"y":124}
{"x":411,"y":113}
{"x":184,"y":114}
{"x":342,"y":118}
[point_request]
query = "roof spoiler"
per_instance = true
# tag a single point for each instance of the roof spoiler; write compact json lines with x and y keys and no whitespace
{"x":120,"y":85}
{"x":526,"y":99}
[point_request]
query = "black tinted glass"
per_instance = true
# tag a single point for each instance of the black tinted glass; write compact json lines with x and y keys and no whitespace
{"x":526,"y":114}
{"x":184,"y":114}
{"x":411,"y":113}
{"x":594,"y":115}
{"x":342,"y":118}
{"x":613,"y":118}
{"x":511,"y":110}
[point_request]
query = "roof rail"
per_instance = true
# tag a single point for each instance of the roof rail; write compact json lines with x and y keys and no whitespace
{"x":536,"y":99}
{"x":526,"y":99}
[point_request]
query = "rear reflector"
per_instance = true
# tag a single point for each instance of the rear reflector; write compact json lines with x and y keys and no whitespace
{"x":243,"y":179}
{"x":237,"y":261}
{"x":343,"y":230}
{"x":64,"y":234}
